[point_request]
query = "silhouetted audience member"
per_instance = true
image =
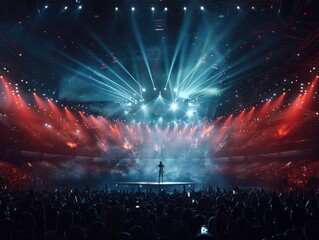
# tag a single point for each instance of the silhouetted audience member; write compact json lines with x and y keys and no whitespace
{"x":64,"y":223}
{"x":137,"y":233}
{"x":75,"y":233}
{"x":125,"y":236}
{"x":311,"y":230}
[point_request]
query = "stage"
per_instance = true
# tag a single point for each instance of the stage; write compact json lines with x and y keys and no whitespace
{"x":163,"y":185}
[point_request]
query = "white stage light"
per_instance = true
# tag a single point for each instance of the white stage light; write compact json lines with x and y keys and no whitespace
{"x":165,"y":9}
{"x":189,"y":113}
{"x":185,"y":8}
{"x":202,"y":8}
{"x":116,"y":8}
{"x":153,"y":9}
{"x":174,"y":106}
{"x":143,"y":107}
{"x":133,"y":8}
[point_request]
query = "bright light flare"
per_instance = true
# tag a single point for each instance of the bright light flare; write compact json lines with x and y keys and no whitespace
{"x":71,"y":144}
{"x":190,"y":113}
{"x":47,"y":125}
{"x":213,"y":91}
{"x":174,"y":106}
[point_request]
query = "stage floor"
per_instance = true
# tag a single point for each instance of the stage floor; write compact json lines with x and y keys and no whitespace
{"x":167,"y":186}
{"x":155,"y":183}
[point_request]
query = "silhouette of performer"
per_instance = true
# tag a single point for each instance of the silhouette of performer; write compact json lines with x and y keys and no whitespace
{"x":160,"y":169}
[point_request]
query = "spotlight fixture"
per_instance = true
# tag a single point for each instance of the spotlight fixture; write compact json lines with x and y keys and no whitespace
{"x":133,"y":9}
{"x":185,"y":8}
{"x":202,"y":8}
{"x":165,"y":9}
{"x":66,"y":7}
{"x":143,"y":107}
{"x":46,"y":6}
{"x":238,"y":7}
{"x":80,"y":7}
{"x":116,"y":8}
{"x":153,"y":9}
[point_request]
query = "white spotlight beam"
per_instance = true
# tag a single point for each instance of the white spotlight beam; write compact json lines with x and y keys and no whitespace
{"x":198,"y":80}
{"x":105,"y":48}
{"x":142,"y":49}
{"x":178,"y":48}
{"x":121,"y":79}
{"x":200,"y":85}
{"x":194,"y":68}
{"x":124,"y":92}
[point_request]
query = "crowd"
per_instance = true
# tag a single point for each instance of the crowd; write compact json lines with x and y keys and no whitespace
{"x":212,"y":213}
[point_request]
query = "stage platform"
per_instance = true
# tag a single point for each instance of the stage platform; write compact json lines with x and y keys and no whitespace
{"x":156,"y":183}
{"x":168,"y":186}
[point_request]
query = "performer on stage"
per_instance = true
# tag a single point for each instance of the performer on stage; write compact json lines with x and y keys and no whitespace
{"x":160,"y":169}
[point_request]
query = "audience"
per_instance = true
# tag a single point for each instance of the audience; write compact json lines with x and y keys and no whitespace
{"x":93,"y":214}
